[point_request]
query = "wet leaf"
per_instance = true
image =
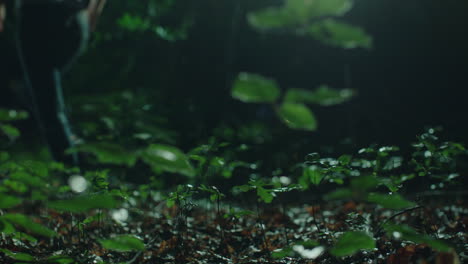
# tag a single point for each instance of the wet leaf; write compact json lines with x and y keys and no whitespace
{"x":324,"y":96}
{"x":314,"y":174}
{"x":123,"y":243}
{"x":167,"y":158}
{"x":8,"y":201}
{"x":265,"y":195}
{"x":85,"y":203}
{"x":17,"y":255}
{"x":253,"y":88}
{"x":297,"y":116}
{"x":28,"y":224}
{"x":295,"y":13}
{"x":307,"y":9}
{"x":339,"y":34}
{"x":10,"y":131}
{"x":351,"y":242}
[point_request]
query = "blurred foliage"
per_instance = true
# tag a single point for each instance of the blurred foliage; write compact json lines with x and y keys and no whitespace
{"x":135,"y":130}
{"x":309,"y":18}
{"x":315,"y":18}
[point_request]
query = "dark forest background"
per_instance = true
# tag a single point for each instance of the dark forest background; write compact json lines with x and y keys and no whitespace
{"x":413,"y":77}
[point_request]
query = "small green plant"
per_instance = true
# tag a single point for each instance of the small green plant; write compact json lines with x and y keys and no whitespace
{"x":316,"y":19}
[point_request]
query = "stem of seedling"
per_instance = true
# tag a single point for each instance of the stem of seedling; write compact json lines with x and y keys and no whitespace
{"x":379,"y":230}
{"x":219,"y":216}
{"x":262,"y":228}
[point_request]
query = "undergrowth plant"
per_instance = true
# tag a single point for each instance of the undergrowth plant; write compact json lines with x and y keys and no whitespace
{"x":317,"y":19}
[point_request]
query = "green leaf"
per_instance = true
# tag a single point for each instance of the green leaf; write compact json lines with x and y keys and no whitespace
{"x":253,"y":88}
{"x":8,"y":201}
{"x":17,"y":255}
{"x":37,"y":168}
{"x":22,"y":237}
{"x":265,"y":195}
{"x":296,"y":13}
{"x":26,"y":178}
{"x":297,"y":116}
{"x":318,"y":8}
{"x":324,"y":96}
{"x":123,"y":243}
{"x":85,"y":203}
{"x":271,"y":18}
{"x":28,"y":224}
{"x":405,"y":232}
{"x":12,"y":115}
{"x":351,"y":242}
{"x":167,"y":158}
{"x":7,"y":228}
{"x":282,"y":253}
{"x":133,"y":23}
{"x":107,"y":152}
{"x":390,"y":201}
{"x":339,"y":34}
{"x":314,"y":174}
{"x":10,"y":131}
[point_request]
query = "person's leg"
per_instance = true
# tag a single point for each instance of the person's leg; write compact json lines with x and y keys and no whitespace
{"x":43,"y":49}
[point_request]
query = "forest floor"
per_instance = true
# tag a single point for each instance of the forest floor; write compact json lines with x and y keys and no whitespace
{"x":192,"y":233}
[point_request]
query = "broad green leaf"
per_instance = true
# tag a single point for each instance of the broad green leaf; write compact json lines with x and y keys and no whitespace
{"x":314,"y":174}
{"x":22,"y":237}
{"x":27,"y":179}
{"x":60,"y":259}
{"x":123,"y":243}
{"x":17,"y":255}
{"x":167,"y":158}
{"x":37,"y":168}
{"x":324,"y":96}
{"x":308,"y":243}
{"x":308,"y":9}
{"x":28,"y":224}
{"x":351,"y":242}
{"x":10,"y":131}
{"x":12,"y":115}
{"x":253,"y":88}
{"x":297,"y":116}
{"x":405,"y":232}
{"x":85,"y":203}
{"x":242,"y":188}
{"x":133,"y":23}
{"x":282,"y":253}
{"x":8,"y":201}
{"x":345,"y":159}
{"x":265,"y":195}
{"x":296,"y":13}
{"x":271,"y":18}
{"x":6,"y":227}
{"x":339,"y":34}
{"x":390,"y":201}
{"x":107,"y":152}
